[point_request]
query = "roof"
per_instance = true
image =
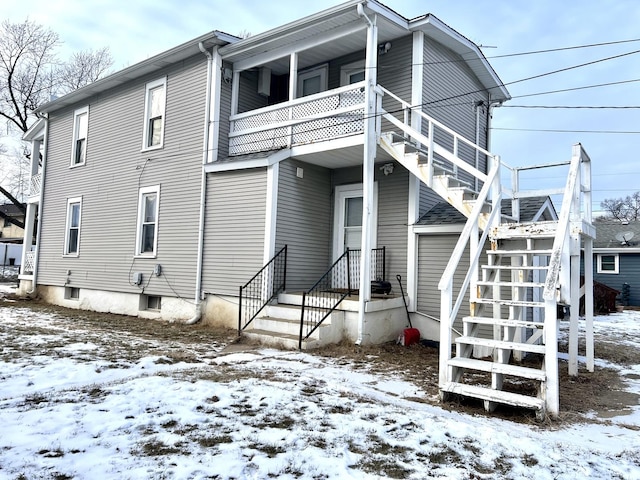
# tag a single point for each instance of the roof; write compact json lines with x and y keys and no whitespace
{"x":343,"y":21}
{"x":140,"y":69}
{"x":443,"y":213}
{"x":310,"y":33}
{"x":11,"y":210}
{"x":617,"y":235}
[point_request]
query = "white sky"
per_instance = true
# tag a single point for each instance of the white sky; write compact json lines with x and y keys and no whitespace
{"x":137,"y":29}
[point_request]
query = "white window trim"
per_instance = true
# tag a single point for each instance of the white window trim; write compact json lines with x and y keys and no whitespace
{"x":616,"y":269}
{"x":145,"y":135}
{"x":322,"y":70}
{"x":72,"y":201}
{"x":342,"y":192}
{"x":349,"y":69}
{"x":141,"y":194}
{"x":74,"y":146}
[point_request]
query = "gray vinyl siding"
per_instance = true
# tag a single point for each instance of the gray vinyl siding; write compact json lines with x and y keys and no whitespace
{"x":428,"y":199}
{"x":249,"y":97}
{"x":394,"y":74}
{"x":393,"y":194}
{"x":304,"y":222}
{"x":109,"y":183}
{"x":434,"y":252}
{"x":447,"y":78}
{"x":225,"y":113}
{"x":234,"y":229}
{"x":629,"y":272}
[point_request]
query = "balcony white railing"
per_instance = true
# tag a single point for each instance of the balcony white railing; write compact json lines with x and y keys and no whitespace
{"x":323,"y":116}
{"x":29,"y":263}
{"x":35,"y":185}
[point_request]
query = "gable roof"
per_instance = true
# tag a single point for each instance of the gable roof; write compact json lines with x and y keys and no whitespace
{"x":531,"y":209}
{"x":343,"y":21}
{"x":617,"y":235}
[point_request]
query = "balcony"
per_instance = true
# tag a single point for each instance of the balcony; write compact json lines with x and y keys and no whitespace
{"x":315,"y":118}
{"x":35,"y":185}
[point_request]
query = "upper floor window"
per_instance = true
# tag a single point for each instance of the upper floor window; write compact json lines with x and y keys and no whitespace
{"x":72,"y":235}
{"x":80,"y":131}
{"x":608,"y":263}
{"x":154,"y":111}
{"x":147,"y":233}
{"x":312,"y":81}
{"x":352,"y":73}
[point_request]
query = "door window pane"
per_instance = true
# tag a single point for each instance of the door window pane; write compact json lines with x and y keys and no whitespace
{"x":353,"y":212}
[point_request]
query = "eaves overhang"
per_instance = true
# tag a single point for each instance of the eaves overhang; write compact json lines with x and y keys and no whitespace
{"x":140,"y":69}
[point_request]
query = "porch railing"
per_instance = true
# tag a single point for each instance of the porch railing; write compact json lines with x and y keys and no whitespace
{"x":340,"y":281}
{"x":29,"y":262}
{"x":262,"y":288}
{"x":323,"y":116}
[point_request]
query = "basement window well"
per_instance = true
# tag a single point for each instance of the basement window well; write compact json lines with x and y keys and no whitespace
{"x":72,"y":293}
{"x":150,"y":302}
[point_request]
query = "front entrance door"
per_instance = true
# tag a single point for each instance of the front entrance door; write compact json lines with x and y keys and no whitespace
{"x":347,"y":226}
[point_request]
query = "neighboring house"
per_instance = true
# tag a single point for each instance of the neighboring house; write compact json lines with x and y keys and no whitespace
{"x":617,"y":257}
{"x":300,"y":157}
{"x":11,"y":236}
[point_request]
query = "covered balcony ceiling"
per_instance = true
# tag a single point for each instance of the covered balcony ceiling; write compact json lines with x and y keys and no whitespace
{"x":317,"y":40}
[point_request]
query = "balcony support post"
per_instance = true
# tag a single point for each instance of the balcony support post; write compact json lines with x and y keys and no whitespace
{"x":370,"y":145}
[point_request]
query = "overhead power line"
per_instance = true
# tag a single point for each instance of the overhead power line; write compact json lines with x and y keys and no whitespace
{"x":550,"y":130}
{"x":573,"y":106}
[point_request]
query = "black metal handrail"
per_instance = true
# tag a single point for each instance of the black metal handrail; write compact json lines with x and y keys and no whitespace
{"x":337,"y":283}
{"x":262,"y":288}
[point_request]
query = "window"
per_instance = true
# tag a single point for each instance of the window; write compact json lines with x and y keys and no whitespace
{"x":72,"y":293}
{"x":352,"y":73}
{"x":608,"y":263}
{"x":72,"y":237}
{"x":80,"y":130}
{"x":154,"y":107}
{"x":312,"y":81}
{"x":147,"y":235}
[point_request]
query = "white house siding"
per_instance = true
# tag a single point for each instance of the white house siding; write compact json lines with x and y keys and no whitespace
{"x":304,"y":222}
{"x":434,"y":252}
{"x":234,"y":229}
{"x":108,"y":183}
{"x":447,"y":78}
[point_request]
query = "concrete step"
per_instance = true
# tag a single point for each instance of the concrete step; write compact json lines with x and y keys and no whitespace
{"x":502,"y":322}
{"x":284,"y":311}
{"x":501,"y":368}
{"x":492,"y":395}
{"x":499,"y":344}
{"x":281,"y":340}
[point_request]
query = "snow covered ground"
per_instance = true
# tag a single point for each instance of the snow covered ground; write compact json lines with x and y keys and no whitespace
{"x":89,"y":404}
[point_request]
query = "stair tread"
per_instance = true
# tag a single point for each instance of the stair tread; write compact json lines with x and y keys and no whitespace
{"x":520,"y":251}
{"x":503,"y":368}
{"x":488,"y":342}
{"x":489,"y":283}
{"x":511,"y":303}
{"x":498,"y":396}
{"x":503,"y":322}
{"x":515,"y":267}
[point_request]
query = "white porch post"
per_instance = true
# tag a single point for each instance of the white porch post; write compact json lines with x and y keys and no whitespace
{"x":370,"y":144}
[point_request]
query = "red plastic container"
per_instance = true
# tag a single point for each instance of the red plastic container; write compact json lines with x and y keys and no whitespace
{"x":410,"y":336}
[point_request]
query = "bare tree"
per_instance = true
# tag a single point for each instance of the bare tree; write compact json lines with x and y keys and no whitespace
{"x":622,"y":209}
{"x":83,"y":68}
{"x":27,"y":53}
{"x":30,"y":73}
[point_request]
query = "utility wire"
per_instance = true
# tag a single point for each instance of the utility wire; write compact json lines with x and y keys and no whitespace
{"x":576,"y":88}
{"x":631,"y":132}
{"x":573,"y":106}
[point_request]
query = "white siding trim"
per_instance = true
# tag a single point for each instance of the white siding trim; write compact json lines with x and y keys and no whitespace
{"x":616,"y":259}
{"x":214,"y":119}
{"x":271,"y":212}
{"x":145,"y":132}
{"x":76,"y":132}
{"x":70,"y":202}
{"x":141,"y":195}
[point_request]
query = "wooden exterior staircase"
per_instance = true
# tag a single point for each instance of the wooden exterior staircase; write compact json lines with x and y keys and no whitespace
{"x":531,"y":268}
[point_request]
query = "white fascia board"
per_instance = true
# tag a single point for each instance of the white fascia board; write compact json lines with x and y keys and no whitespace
{"x":616,"y":250}
{"x":438,"y":229}
{"x":36,"y":131}
{"x":251,"y":163}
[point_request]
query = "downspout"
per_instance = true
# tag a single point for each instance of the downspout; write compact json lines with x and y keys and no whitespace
{"x":203,"y":191}
{"x":40,"y":205}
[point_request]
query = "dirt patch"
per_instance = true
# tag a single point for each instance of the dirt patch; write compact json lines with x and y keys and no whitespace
{"x":601,"y":391}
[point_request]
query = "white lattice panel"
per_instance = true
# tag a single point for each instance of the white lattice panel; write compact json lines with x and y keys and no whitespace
{"x":266,"y":140}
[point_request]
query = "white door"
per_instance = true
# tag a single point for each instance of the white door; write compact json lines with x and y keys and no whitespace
{"x":347,"y":231}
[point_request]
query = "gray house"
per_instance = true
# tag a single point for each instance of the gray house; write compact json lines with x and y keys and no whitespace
{"x":617,"y":258}
{"x":265,"y":183}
